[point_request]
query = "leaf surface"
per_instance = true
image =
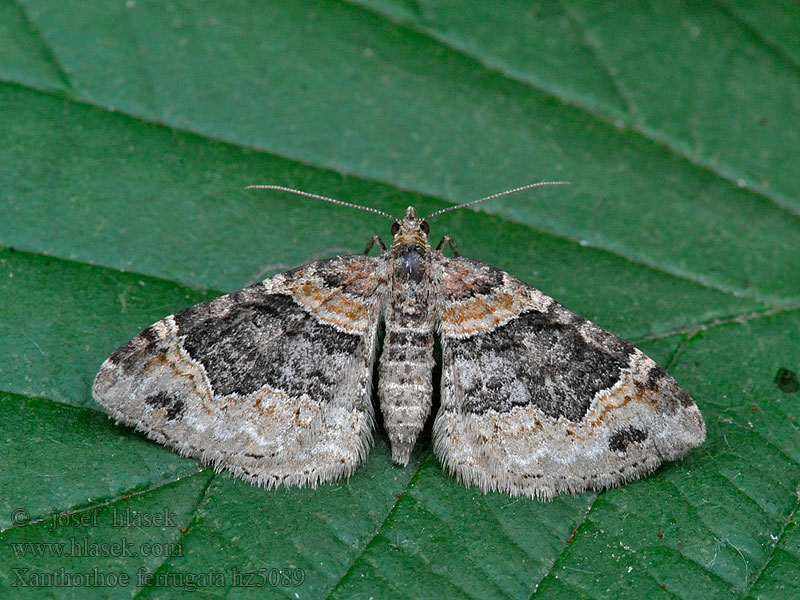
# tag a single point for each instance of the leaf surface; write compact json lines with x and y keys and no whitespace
{"x":129,"y":132}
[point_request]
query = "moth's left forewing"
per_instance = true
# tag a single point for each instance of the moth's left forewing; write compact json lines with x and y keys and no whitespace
{"x":271,"y":382}
{"x":538,"y":401}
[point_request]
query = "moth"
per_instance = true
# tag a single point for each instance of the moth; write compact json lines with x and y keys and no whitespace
{"x":273,"y":382}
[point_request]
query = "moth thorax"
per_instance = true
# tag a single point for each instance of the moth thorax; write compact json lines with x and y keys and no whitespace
{"x":411,"y":264}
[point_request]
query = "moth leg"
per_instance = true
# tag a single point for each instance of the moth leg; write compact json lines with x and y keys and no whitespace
{"x":449,"y":241}
{"x":372,"y":241}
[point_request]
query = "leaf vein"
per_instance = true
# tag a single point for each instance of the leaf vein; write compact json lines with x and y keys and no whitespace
{"x":60,"y":71}
{"x":650,"y":134}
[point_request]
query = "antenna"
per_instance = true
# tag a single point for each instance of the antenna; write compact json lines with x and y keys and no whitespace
{"x":280,"y":188}
{"x":493,"y":196}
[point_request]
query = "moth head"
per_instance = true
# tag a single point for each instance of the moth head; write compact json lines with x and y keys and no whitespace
{"x":410,"y":225}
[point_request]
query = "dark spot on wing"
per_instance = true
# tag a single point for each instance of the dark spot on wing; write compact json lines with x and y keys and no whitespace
{"x":174,"y":406}
{"x":619,"y":441}
{"x":176,"y":410}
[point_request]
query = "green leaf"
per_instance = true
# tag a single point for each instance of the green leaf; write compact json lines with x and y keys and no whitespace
{"x":129,"y":132}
